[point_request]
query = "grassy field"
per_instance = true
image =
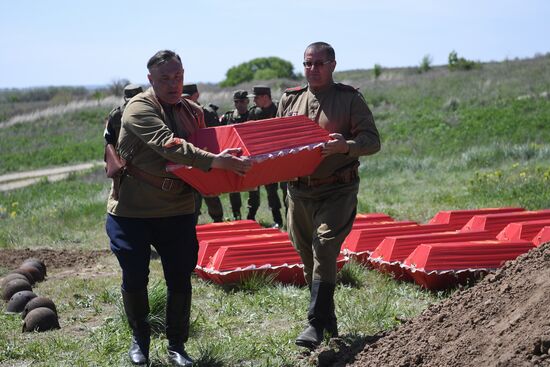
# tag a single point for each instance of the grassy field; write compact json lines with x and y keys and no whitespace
{"x":450,"y":140}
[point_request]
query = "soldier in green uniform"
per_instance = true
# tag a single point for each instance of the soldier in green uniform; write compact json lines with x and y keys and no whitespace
{"x":265,"y":108}
{"x":112,"y":125}
{"x":236,"y":116}
{"x":153,"y":207}
{"x":213,"y":203}
{"x":322,"y":207}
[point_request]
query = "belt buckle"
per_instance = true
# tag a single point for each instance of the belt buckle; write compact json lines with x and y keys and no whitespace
{"x":164,"y":184}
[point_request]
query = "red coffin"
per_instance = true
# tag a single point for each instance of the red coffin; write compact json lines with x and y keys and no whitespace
{"x":522,"y":230}
{"x":439,"y":266}
{"x":542,"y":237}
{"x":389,"y":255}
{"x":463,"y":216}
{"x":280,"y":148}
{"x":497,"y":222}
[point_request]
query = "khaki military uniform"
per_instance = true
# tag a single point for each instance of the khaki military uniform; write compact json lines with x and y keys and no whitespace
{"x":230,"y":118}
{"x":147,"y":130}
{"x":233,"y":117}
{"x":258,"y":113}
{"x":213,"y":203}
{"x":322,"y":207}
{"x":211,"y":117}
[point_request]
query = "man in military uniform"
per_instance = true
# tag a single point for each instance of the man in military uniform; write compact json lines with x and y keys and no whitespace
{"x":236,"y":116}
{"x":210,"y":111}
{"x":112,"y":125}
{"x":155,"y":208}
{"x":264,"y":108}
{"x":213,"y":203}
{"x":322,"y":207}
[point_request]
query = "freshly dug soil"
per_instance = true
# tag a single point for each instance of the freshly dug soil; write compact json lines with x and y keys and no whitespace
{"x":502,"y":321}
{"x":53,"y":259}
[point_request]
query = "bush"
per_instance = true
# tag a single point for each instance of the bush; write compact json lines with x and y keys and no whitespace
{"x":262,"y":68}
{"x":460,"y":63}
{"x":425,"y":64}
{"x":377,"y":70}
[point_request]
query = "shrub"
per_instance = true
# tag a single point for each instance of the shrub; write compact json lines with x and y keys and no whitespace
{"x":460,"y":63}
{"x":425,"y":64}
{"x":377,"y":70}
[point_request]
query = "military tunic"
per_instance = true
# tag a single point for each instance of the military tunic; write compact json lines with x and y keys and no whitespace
{"x":320,"y":217}
{"x":233,"y":117}
{"x":147,"y":127}
{"x":258,"y":113}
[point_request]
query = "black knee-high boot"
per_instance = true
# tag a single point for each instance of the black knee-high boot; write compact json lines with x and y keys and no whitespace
{"x":136,"y":306}
{"x":178,"y":312}
{"x":320,"y":316}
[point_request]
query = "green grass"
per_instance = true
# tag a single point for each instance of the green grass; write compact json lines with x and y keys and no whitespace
{"x":74,"y":137}
{"x":450,"y":140}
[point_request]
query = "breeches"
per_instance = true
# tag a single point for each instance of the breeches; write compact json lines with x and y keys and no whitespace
{"x":318,"y":221}
{"x":174,"y":238}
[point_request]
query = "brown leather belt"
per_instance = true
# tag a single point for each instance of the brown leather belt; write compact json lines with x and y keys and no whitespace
{"x":345,"y":176}
{"x":162,"y":183}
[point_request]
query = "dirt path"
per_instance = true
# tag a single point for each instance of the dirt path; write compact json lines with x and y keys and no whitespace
{"x":17,"y":180}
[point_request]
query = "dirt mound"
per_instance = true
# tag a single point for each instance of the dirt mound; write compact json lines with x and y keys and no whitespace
{"x":502,"y":321}
{"x":54,"y":259}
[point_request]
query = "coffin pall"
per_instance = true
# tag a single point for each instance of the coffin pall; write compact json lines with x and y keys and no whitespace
{"x":280,"y":149}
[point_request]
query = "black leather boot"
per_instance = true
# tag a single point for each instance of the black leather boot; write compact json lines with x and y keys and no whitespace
{"x":136,"y":306}
{"x":178,"y":312}
{"x":320,"y":316}
{"x":277,"y":218}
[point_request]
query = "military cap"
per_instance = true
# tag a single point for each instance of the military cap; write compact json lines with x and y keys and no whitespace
{"x":259,"y":90}
{"x":240,"y":94}
{"x":131,"y":90}
{"x":189,"y":90}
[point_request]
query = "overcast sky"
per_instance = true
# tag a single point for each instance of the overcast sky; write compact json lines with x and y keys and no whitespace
{"x":67,"y":42}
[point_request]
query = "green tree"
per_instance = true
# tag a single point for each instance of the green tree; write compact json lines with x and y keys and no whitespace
{"x":377,"y":70}
{"x":262,"y":68}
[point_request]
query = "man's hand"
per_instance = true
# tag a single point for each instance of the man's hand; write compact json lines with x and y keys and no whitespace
{"x":229,"y":161}
{"x":337,"y":145}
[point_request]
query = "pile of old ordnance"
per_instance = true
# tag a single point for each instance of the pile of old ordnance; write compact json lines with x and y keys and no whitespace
{"x":39,"y":313}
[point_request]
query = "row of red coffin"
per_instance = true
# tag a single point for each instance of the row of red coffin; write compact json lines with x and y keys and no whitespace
{"x":453,"y":247}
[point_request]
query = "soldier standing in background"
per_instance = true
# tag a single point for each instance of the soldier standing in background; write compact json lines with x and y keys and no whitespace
{"x":211,"y":118}
{"x":112,"y":125}
{"x":213,"y":203}
{"x":236,"y":116}
{"x":264,"y":108}
{"x":322,"y":207}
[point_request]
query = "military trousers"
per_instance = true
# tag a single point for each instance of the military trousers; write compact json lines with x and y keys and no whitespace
{"x":318,"y":221}
{"x":174,"y":238}
{"x":253,"y":204}
{"x":214,"y":205}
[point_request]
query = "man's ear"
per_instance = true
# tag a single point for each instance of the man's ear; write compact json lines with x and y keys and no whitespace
{"x":333,"y":66}
{"x":150,"y":79}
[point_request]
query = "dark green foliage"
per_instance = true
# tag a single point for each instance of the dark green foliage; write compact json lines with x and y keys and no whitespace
{"x":262,"y":68}
{"x":377,"y":70}
{"x":460,"y":63}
